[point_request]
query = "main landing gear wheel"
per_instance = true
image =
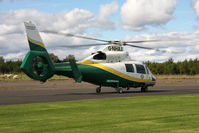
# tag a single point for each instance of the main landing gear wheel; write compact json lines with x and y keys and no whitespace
{"x":98,"y":90}
{"x":120,"y":91}
{"x":127,"y":88}
{"x":144,"y":89}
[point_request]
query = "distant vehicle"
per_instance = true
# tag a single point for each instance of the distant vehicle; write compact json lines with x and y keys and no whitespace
{"x":110,"y":66}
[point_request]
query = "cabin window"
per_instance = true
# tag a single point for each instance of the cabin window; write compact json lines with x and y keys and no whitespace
{"x":129,"y":68}
{"x":140,"y":69}
{"x":100,"y":56}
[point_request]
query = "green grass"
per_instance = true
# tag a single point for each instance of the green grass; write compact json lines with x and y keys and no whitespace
{"x":157,"y":114}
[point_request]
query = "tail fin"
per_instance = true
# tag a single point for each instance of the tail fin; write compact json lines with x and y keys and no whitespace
{"x":37,"y":64}
{"x":34,"y":39}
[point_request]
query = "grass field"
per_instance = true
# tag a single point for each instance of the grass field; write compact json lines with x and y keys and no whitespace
{"x":151,"y":114}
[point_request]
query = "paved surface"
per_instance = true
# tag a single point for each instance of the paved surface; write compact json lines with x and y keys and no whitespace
{"x":20,"y":92}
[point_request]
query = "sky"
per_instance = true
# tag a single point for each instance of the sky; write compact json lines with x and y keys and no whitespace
{"x":125,"y":20}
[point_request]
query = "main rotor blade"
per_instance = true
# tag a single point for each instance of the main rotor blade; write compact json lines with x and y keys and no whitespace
{"x":83,"y":45}
{"x":158,"y":40}
{"x":72,"y":35}
{"x":148,"y":48}
{"x":142,"y":41}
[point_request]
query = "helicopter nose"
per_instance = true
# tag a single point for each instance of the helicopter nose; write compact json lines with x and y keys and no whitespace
{"x":153,"y":78}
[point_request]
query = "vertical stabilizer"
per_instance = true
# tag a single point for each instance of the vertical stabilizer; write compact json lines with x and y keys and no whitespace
{"x":34,"y":39}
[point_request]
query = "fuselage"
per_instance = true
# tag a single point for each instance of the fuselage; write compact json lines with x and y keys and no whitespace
{"x":126,"y":74}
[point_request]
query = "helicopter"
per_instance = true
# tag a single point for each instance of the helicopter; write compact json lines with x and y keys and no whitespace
{"x":110,"y":66}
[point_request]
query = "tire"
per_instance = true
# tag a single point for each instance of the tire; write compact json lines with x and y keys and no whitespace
{"x":127,"y":88}
{"x":144,"y":89}
{"x":98,"y":90}
{"x":120,"y":91}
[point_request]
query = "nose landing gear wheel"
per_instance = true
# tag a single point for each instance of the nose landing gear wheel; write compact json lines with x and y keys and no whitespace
{"x":144,"y":89}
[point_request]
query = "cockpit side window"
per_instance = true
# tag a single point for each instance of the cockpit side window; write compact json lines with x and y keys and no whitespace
{"x":100,"y":56}
{"x":129,"y":68}
{"x":140,"y":69}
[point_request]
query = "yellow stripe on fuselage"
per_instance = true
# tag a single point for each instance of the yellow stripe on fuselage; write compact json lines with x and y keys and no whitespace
{"x":86,"y":62}
{"x":35,"y":42}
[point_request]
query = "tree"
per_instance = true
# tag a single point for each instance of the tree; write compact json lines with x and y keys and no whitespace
{"x":1,"y":60}
{"x":54,"y":58}
{"x":1,"y":64}
{"x":68,"y":57}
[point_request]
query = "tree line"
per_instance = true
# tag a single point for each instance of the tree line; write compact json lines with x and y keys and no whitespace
{"x":14,"y":66}
{"x":187,"y":67}
{"x":9,"y":66}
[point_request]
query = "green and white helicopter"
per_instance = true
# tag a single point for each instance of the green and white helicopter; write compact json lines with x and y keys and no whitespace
{"x":109,"y":66}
